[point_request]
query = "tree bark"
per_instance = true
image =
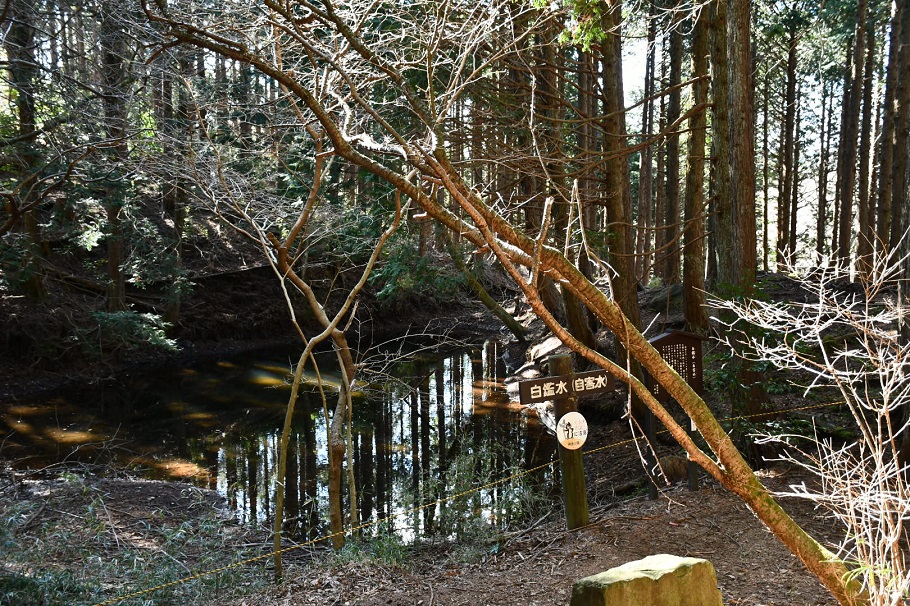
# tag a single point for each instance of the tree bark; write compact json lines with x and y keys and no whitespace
{"x":866,"y":204}
{"x":724,"y":238}
{"x":766,"y":173}
{"x":784,"y":253}
{"x":177,"y":130}
{"x":741,"y":169}
{"x":794,"y":196}
{"x":646,"y":160}
{"x":551,"y":114}
{"x":887,"y":156}
{"x":671,"y":216}
{"x":19,"y":44}
{"x":660,"y":192}
{"x":616,"y":181}
{"x":824,"y":138}
{"x":850,"y":140}
{"x":741,"y":142}
{"x":841,"y":145}
{"x":114,"y":75}
{"x":694,"y":235}
{"x":900,"y":186}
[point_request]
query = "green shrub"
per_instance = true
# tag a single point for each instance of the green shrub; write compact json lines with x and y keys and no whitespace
{"x":406,"y":275}
{"x":722,"y":376}
{"x":48,"y":588}
{"x":124,"y":331}
{"x":384,"y":549}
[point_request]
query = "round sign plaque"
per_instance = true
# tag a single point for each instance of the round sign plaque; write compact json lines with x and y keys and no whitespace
{"x":572,"y":431}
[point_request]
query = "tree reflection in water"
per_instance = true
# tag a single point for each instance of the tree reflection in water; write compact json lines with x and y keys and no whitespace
{"x":436,"y":428}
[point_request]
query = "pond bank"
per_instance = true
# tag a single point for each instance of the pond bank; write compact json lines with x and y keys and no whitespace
{"x":220,"y":319}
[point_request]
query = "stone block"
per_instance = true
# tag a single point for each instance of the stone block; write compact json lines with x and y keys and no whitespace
{"x":658,"y":580}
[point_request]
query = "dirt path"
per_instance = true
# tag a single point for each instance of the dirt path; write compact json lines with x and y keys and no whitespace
{"x":539,"y":567}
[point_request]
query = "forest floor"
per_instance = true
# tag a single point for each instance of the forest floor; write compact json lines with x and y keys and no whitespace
{"x":95,"y":533}
{"x":101,"y":537}
{"x":537,"y":566}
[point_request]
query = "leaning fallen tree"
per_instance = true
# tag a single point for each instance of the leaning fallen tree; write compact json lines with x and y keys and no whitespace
{"x":337,"y":62}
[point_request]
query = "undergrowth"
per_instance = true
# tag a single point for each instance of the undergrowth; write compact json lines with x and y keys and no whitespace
{"x":63,"y":544}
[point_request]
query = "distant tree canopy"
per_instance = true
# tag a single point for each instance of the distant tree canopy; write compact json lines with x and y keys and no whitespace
{"x":792,"y":142}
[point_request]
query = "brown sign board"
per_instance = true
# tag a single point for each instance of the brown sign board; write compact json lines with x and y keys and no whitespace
{"x":683,"y":352}
{"x":558,"y":388}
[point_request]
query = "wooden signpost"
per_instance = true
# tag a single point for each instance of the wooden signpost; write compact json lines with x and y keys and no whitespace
{"x":565,"y":386}
{"x":574,"y":490}
{"x":681,"y":350}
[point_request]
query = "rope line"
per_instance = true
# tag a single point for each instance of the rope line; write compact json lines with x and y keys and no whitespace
{"x":427,"y":505}
{"x":724,"y":420}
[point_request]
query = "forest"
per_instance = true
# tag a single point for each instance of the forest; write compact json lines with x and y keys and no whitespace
{"x":181,"y":177}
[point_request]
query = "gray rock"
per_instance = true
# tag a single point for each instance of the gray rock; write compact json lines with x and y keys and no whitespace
{"x":668,"y":299}
{"x":658,"y":580}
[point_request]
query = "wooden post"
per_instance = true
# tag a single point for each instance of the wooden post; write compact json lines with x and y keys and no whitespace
{"x":651,"y":454}
{"x":574,"y":491}
{"x":693,"y":468}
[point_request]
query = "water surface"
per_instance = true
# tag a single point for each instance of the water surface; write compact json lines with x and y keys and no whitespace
{"x":427,"y":429}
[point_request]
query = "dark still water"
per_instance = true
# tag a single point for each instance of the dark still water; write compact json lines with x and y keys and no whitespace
{"x":430,"y":428}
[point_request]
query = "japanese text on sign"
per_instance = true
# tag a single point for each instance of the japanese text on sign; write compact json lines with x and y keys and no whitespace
{"x":557,"y":388}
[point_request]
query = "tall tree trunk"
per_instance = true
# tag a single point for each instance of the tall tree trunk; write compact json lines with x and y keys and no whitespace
{"x":19,"y":44}
{"x":900,"y":186}
{"x":865,"y":204}
{"x":53,"y":42}
{"x":824,"y":139}
{"x":114,"y":78}
{"x":693,"y":240}
{"x":741,"y":138}
{"x":619,"y":201}
{"x":587,"y":184}
{"x":887,"y":157}
{"x":78,"y":39}
{"x":851,"y":132}
{"x":784,"y":253}
{"x":781,"y":204}
{"x":841,"y":156}
{"x":742,"y":176}
{"x":766,"y":173}
{"x":177,"y":131}
{"x":724,"y":239}
{"x":899,"y":234}
{"x":671,"y":217}
{"x":616,"y":181}
{"x":646,"y":159}
{"x":660,"y":192}
{"x":794,"y":195}
{"x":618,"y":196}
{"x":550,"y":96}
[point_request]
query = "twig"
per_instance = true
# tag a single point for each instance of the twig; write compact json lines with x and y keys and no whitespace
{"x":110,"y":520}
{"x":31,"y":519}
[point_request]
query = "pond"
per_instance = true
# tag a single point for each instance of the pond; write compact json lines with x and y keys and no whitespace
{"x":431,"y":428}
